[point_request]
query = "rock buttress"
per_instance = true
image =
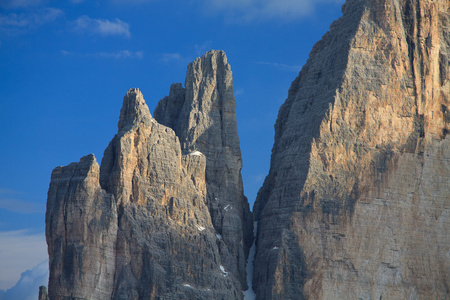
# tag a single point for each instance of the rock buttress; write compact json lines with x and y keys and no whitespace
{"x":81,"y":231}
{"x":356,"y":202}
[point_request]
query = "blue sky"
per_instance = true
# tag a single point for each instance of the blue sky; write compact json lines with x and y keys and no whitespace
{"x":66,"y":65}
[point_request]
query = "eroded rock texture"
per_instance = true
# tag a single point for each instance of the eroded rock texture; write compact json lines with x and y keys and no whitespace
{"x":139,"y":226}
{"x":203,"y":115}
{"x":357,"y":201}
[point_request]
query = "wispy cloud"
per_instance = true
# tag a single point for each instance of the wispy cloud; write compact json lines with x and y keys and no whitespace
{"x":121,"y":54}
{"x":262,"y":10}
{"x":102,"y":27}
{"x":110,"y":55}
{"x":14,"y":4}
{"x":258,"y":178}
{"x":9,"y":191}
{"x":13,"y":23}
{"x":9,"y":200}
{"x":127,"y":2}
{"x":24,"y":207}
{"x":201,"y":49}
{"x":282,"y":67}
{"x":166,"y":57}
{"x":27,"y":288}
{"x":19,"y":250}
{"x":238,"y":91}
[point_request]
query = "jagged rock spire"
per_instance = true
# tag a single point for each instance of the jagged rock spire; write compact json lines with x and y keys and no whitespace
{"x":134,"y":110}
{"x":139,"y":226}
{"x":203,"y":116}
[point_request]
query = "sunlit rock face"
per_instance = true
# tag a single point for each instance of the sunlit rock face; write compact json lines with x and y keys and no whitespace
{"x":141,"y":226}
{"x":357,"y":200}
{"x":356,"y":204}
{"x":203,"y":115}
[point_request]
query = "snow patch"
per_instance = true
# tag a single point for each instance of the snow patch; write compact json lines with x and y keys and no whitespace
{"x":275,"y":248}
{"x":187,"y":285}
{"x":200,"y":228}
{"x":219,"y":236}
{"x":196,"y":153}
{"x":250,"y":294}
{"x":225,"y":273}
{"x":228,"y":207}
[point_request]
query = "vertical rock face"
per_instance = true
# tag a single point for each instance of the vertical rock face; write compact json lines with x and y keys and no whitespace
{"x":139,"y":226}
{"x":43,"y":293}
{"x":81,"y":231}
{"x":203,"y":115}
{"x":356,"y":202}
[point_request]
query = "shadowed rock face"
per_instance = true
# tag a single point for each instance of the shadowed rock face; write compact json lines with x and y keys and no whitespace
{"x":139,"y":226}
{"x":356,"y":202}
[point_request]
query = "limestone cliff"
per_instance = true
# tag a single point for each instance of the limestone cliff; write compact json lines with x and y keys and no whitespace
{"x":356,"y":204}
{"x":139,"y":226}
{"x":203,"y":115}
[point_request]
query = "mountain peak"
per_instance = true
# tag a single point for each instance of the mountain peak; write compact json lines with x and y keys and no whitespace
{"x":134,"y":110}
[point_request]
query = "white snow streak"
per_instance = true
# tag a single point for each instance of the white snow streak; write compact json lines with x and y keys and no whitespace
{"x":197,"y":153}
{"x":225,"y":273}
{"x":200,"y":228}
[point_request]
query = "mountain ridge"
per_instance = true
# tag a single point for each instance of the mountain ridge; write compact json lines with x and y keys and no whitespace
{"x":355,"y":205}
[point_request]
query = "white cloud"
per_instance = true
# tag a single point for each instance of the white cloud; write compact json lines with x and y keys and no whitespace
{"x":9,"y":201}
{"x":20,"y":206}
{"x":102,"y":27}
{"x":201,"y":49}
{"x":27,"y":288}
{"x":14,"y":4}
{"x":261,"y":10}
{"x":19,"y":250}
{"x":120,"y":54}
{"x":13,"y":23}
{"x":238,"y":91}
{"x":166,"y":57}
{"x":9,"y":191}
{"x":127,"y":2}
{"x":282,"y":67}
{"x":112,"y":55}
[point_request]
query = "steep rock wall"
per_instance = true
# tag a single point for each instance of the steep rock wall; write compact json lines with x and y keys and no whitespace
{"x":139,"y":226}
{"x":356,"y":203}
{"x":203,"y":115}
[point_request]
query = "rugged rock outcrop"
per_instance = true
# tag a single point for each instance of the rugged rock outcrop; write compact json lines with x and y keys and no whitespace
{"x":356,"y":204}
{"x":81,"y":231}
{"x":43,"y":293}
{"x":203,"y":115}
{"x":139,"y":226}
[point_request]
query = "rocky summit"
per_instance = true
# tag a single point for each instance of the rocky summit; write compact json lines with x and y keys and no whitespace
{"x":147,"y":224}
{"x":356,"y":204}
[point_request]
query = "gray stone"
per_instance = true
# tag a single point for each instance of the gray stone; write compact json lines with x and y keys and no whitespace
{"x":43,"y":293}
{"x":138,"y":227}
{"x":356,"y":202}
{"x":203,"y":115}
